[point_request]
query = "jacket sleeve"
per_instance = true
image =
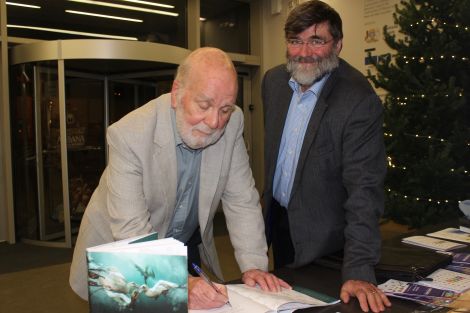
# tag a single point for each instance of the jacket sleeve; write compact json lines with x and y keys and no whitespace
{"x":129,"y":215}
{"x":363,"y":160}
{"x":242,"y":209}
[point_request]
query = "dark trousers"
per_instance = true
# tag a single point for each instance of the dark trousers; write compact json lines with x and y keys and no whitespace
{"x":279,"y":235}
{"x":193,"y":251}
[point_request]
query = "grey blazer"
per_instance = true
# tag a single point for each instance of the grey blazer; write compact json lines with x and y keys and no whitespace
{"x":137,"y":191}
{"x":337,"y":195}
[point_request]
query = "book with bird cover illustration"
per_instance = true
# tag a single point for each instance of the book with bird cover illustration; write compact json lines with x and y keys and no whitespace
{"x":139,"y":275}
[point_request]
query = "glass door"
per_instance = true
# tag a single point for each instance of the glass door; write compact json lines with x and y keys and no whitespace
{"x":85,"y":135}
{"x":42,"y":116}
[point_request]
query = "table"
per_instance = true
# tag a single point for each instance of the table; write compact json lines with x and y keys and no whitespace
{"x":328,"y":281}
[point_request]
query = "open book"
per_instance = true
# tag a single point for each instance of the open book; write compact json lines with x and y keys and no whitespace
{"x":244,"y":299}
{"x":138,"y":275}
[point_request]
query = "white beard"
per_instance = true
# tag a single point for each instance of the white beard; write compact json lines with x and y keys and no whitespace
{"x":186,"y":131}
{"x":308,"y":73}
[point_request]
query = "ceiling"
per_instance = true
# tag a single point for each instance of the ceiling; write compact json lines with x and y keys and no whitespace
{"x":154,"y":27}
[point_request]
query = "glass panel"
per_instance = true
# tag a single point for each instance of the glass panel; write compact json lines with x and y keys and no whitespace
{"x":23,"y":145}
{"x":73,"y":19}
{"x":39,"y":209}
{"x":85,"y":140}
{"x":52,"y":209}
{"x":225,"y":24}
{"x":122,"y":100}
{"x":39,"y":213}
{"x":127,"y":96}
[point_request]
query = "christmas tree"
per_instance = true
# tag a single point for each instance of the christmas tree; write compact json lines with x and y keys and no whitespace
{"x":427,"y":111}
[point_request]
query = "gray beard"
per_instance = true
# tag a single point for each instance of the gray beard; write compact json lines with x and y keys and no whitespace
{"x":185,"y":131}
{"x":308,"y":76}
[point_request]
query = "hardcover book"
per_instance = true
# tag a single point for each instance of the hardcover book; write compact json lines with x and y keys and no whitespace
{"x":138,"y":275}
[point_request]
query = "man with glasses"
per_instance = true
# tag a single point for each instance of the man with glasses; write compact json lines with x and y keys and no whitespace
{"x":324,"y":156}
{"x":171,"y":162}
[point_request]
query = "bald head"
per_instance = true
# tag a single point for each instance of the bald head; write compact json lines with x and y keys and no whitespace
{"x":203,"y":95}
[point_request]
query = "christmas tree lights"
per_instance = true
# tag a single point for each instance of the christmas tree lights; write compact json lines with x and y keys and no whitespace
{"x":427,"y":111}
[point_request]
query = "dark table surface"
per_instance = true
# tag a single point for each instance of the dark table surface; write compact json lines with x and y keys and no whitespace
{"x":328,"y":281}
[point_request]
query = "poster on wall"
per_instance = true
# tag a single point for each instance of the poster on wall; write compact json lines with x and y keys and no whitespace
{"x":377,"y":15}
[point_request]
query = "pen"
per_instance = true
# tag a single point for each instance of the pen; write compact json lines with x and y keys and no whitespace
{"x":207,"y":280}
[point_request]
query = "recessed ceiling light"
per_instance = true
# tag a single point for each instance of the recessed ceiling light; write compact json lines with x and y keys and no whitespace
{"x":105,"y":16}
{"x":156,"y":4}
{"x":125,"y":7}
{"x":23,"y":5}
{"x":72,"y":32}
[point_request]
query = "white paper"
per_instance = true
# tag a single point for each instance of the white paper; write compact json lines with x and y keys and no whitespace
{"x":244,"y":299}
{"x":449,"y":280}
{"x":432,"y":243}
{"x":452,"y":234}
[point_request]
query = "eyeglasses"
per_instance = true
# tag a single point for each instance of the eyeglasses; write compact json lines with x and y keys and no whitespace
{"x":311,"y":43}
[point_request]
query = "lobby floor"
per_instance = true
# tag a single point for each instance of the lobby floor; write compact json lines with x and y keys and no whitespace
{"x":31,"y":286}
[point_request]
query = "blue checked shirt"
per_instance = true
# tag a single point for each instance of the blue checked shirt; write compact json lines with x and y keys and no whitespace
{"x":185,"y":217}
{"x":300,"y":110}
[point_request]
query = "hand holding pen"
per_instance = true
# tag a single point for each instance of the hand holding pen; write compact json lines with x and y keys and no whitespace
{"x":203,"y":275}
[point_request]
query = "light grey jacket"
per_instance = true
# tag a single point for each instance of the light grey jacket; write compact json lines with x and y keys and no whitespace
{"x":137,"y":191}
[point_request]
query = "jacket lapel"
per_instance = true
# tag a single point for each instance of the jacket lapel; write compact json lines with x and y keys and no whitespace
{"x":211,"y":165}
{"x":165,"y":159}
{"x":284,"y":96}
{"x":312,"y":128}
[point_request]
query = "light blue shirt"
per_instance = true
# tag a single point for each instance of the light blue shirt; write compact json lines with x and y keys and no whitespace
{"x":185,"y":217}
{"x":300,"y":110}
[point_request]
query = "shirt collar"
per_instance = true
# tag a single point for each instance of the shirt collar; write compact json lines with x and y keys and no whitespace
{"x":315,"y":88}
{"x":178,"y":140}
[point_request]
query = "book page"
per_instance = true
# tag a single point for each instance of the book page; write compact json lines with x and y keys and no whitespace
{"x":238,"y":304}
{"x":111,"y":245}
{"x":286,"y":299}
{"x":166,"y":246}
{"x":253,"y":300}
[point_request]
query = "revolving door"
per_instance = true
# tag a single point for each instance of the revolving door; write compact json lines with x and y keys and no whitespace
{"x":60,"y":108}
{"x":63,"y":96}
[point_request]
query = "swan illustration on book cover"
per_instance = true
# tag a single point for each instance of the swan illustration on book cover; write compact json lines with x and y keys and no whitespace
{"x":137,"y":281}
